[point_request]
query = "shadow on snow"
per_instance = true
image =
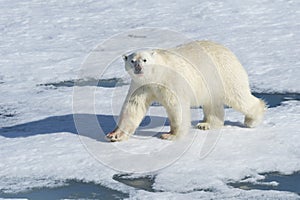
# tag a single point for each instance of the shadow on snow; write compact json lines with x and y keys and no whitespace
{"x":85,"y":124}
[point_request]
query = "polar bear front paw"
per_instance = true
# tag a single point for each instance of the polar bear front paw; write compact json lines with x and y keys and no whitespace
{"x":116,"y":136}
{"x":203,"y":126}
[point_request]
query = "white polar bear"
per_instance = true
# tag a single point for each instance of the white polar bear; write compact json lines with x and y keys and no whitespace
{"x":200,"y":73}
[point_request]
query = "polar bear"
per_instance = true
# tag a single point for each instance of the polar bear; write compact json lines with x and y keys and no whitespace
{"x":199,"y":73}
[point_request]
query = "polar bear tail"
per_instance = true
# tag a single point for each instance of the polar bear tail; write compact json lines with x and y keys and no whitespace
{"x":255,"y":116}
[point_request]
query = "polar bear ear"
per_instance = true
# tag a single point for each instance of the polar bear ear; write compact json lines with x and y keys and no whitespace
{"x":125,"y":57}
{"x":153,"y":52}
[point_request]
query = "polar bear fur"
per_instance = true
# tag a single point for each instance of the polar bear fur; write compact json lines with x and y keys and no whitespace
{"x":199,"y":73}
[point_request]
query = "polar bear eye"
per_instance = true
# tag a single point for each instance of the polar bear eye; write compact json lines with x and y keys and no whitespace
{"x":144,"y":60}
{"x":132,"y":61}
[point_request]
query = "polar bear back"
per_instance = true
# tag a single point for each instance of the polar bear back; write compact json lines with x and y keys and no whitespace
{"x":222,"y":72}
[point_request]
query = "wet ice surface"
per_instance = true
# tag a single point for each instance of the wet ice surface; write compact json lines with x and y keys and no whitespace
{"x":42,"y":47}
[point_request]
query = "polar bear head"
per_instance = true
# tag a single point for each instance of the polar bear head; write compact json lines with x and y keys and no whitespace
{"x":141,"y":64}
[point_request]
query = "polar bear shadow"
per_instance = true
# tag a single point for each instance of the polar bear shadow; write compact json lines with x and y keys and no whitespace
{"x":152,"y":122}
{"x":144,"y":126}
{"x":234,"y":124}
{"x":227,"y":123}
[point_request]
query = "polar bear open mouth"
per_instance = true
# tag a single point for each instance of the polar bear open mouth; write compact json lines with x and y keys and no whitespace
{"x":138,"y":72}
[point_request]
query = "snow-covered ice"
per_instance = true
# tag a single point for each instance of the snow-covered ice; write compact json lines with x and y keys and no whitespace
{"x":48,"y":41}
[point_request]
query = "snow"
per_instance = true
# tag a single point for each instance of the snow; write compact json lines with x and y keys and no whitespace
{"x":49,"y":42}
{"x":232,"y":194}
{"x":237,"y":154}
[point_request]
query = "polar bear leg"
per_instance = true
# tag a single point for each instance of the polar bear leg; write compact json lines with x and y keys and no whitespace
{"x":213,"y":117}
{"x":133,"y":111}
{"x":254,"y":113}
{"x":180,"y":120}
{"x":253,"y":108}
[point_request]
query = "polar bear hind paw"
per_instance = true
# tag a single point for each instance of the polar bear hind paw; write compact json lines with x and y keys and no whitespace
{"x":203,"y":126}
{"x":168,"y":136}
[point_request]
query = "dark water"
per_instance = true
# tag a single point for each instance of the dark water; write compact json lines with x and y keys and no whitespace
{"x":80,"y":190}
{"x":144,"y":183}
{"x":72,"y":190}
{"x":290,"y":183}
{"x":112,"y":82}
{"x":276,"y":99}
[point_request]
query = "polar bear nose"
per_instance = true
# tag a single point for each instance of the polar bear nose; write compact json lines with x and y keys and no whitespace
{"x":138,"y":68}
